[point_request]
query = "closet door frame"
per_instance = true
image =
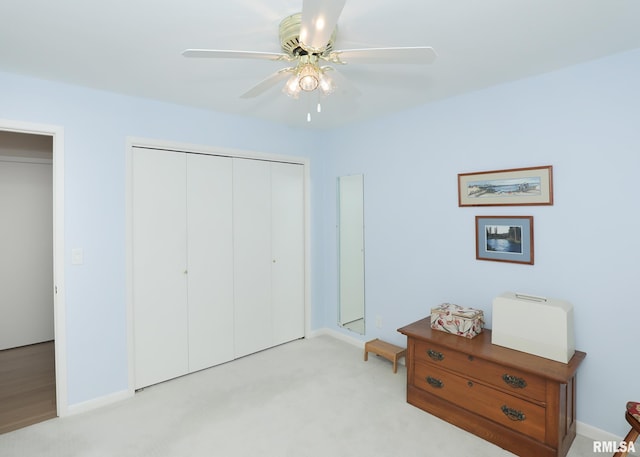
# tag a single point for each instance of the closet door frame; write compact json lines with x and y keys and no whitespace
{"x":133,"y":142}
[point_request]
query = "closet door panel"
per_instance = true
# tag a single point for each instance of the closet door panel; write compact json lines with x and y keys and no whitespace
{"x":287,"y":238}
{"x":210,"y":258}
{"x":159,"y":264}
{"x":252,"y":255}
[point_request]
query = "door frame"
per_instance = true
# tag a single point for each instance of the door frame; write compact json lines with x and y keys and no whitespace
{"x":133,"y":142}
{"x":60,"y":341}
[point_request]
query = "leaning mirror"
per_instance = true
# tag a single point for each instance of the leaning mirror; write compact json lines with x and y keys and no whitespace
{"x":351,"y":252}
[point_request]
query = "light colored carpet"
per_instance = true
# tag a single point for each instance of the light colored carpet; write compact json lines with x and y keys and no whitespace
{"x":308,"y":398}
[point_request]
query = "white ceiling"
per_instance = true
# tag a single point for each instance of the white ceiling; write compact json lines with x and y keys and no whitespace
{"x":134,"y":46}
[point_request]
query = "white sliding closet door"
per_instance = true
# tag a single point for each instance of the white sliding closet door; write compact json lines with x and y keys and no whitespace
{"x":287,"y":241}
{"x":159,"y":265}
{"x":252,"y":255}
{"x":210,"y":260}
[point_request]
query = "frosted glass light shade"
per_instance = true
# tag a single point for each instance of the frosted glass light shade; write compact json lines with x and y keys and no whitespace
{"x":308,"y":78}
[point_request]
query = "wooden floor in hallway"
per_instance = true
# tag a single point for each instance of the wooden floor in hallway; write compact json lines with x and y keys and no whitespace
{"x":27,"y":385}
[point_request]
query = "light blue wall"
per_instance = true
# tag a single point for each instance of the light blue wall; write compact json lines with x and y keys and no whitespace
{"x":96,"y":126}
{"x":420,"y":246}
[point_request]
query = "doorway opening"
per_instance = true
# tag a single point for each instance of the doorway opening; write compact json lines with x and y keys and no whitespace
{"x":31,"y":338}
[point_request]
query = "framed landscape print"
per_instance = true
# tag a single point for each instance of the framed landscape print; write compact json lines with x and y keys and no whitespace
{"x":505,"y":239}
{"x":517,"y":186}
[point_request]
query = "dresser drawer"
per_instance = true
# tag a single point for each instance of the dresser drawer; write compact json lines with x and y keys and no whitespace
{"x":512,"y":412}
{"x":511,"y":380}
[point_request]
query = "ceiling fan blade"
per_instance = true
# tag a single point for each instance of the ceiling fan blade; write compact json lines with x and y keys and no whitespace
{"x":319,"y":19}
{"x":220,"y":54}
{"x":268,"y":83}
{"x":418,"y":55}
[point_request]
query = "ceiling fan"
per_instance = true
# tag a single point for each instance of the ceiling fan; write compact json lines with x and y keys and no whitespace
{"x":307,"y":41}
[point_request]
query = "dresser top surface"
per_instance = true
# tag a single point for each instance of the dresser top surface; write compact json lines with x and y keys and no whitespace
{"x":481,"y":347}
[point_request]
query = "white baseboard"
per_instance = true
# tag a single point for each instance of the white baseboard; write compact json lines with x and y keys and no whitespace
{"x":594,"y":433}
{"x":338,"y":335}
{"x":99,"y":402}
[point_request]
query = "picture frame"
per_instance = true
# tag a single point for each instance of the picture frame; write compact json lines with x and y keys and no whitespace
{"x":516,"y":186}
{"x":505,"y":239}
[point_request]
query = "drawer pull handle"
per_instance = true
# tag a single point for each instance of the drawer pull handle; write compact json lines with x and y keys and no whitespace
{"x":513,"y":414}
{"x":435,"y":382}
{"x":514,"y":381}
{"x":435,"y":355}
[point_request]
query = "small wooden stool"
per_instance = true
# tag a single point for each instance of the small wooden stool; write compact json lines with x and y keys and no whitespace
{"x":389,"y":351}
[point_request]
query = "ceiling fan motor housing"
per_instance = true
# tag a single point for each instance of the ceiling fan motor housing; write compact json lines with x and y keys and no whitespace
{"x":290,"y":38}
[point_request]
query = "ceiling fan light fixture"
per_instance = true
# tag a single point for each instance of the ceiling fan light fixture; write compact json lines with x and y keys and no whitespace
{"x":309,"y":77}
{"x":292,"y":87}
{"x":326,"y":84}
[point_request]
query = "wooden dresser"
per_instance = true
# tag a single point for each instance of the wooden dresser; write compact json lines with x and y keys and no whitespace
{"x":518,"y":401}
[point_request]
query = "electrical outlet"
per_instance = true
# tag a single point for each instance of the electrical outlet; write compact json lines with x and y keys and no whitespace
{"x":379,"y":321}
